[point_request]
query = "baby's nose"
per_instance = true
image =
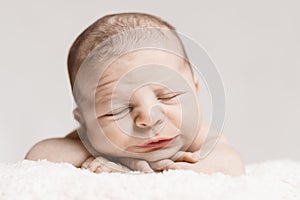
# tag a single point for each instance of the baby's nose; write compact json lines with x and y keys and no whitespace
{"x":149,"y":117}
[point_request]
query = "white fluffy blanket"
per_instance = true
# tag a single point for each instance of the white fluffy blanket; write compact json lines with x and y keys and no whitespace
{"x":278,"y":179}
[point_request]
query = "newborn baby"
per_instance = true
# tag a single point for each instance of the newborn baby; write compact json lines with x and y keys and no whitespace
{"x":137,"y":103}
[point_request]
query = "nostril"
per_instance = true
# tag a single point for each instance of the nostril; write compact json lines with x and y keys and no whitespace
{"x":143,"y":124}
{"x":142,"y":121}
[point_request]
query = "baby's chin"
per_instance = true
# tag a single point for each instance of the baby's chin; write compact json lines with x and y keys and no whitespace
{"x":154,"y":155}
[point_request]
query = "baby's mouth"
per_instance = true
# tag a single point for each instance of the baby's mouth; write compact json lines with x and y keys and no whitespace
{"x":159,"y":142}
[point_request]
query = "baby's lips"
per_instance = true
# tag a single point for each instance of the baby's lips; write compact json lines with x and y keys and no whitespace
{"x":157,"y":140}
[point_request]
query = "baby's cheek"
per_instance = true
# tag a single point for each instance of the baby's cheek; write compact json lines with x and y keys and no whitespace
{"x":108,"y":131}
{"x":114,"y":133}
{"x":174,"y":115}
{"x":185,"y":120}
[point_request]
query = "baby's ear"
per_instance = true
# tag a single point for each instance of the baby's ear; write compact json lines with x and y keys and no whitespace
{"x":77,"y":115}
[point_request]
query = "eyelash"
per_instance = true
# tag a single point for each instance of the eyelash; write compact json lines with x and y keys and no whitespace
{"x":171,"y":97}
{"x":117,"y":113}
{"x":131,"y":107}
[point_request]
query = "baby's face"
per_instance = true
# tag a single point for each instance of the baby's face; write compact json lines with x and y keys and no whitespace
{"x":144,"y":102}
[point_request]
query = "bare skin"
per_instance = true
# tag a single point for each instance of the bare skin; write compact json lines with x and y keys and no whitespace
{"x":70,"y":149}
{"x":222,"y":159}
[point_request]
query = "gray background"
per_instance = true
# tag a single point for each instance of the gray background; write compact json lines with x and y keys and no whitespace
{"x":255,"y":45}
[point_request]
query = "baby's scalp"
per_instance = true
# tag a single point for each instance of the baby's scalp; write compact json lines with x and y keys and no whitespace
{"x":128,"y":33}
{"x":105,"y":28}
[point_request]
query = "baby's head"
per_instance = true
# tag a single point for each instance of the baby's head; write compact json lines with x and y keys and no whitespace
{"x":134,"y":86}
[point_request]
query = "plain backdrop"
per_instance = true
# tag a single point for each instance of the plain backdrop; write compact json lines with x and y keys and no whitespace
{"x":255,"y":45}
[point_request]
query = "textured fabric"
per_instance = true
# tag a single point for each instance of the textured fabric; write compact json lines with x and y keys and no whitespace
{"x":278,"y":179}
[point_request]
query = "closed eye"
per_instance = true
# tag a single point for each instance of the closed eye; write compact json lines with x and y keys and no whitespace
{"x":168,"y":96}
{"x":119,"y":112}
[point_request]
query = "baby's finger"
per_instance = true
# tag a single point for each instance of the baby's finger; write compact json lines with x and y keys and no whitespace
{"x":186,"y":157}
{"x":87,"y":162}
{"x":178,"y":165}
{"x":116,"y":167}
{"x":137,"y":164}
{"x":161,"y":164}
{"x":92,"y":166}
{"x":103,"y":168}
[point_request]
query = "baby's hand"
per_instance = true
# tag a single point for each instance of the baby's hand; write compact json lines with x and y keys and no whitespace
{"x":179,"y":157}
{"x":101,"y":164}
{"x":148,"y":167}
{"x":183,"y":156}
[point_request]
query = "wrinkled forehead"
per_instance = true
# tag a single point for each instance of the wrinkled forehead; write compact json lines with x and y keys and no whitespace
{"x":137,"y":59}
{"x":160,"y":69}
{"x":112,"y":58}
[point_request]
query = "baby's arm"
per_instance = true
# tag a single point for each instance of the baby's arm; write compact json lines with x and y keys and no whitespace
{"x":71,"y":150}
{"x":66,"y":149}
